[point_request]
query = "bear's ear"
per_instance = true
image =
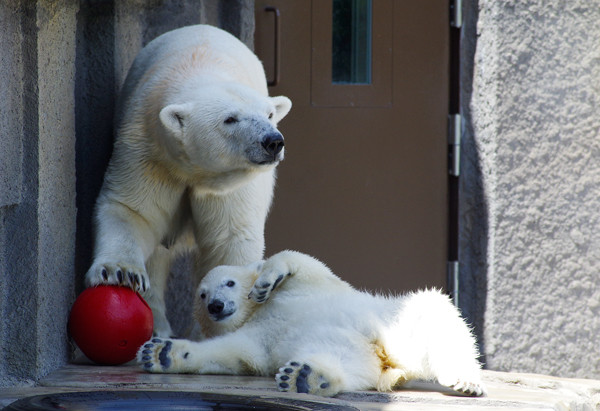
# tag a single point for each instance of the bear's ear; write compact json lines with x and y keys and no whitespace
{"x":174,"y":118}
{"x":282,"y":107}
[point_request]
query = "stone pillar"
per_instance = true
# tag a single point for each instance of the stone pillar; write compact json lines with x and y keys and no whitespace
{"x":530,"y":206}
{"x":37,"y":210}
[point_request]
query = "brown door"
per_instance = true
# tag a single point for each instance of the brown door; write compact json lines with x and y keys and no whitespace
{"x":364,"y":183}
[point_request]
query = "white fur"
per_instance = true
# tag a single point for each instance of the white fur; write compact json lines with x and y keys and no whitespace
{"x":350,"y":340}
{"x":193,"y":115}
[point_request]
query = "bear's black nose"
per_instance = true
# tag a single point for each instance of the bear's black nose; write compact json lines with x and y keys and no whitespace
{"x":215,"y":306}
{"x":273,"y":143}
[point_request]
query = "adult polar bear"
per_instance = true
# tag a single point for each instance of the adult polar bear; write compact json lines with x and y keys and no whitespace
{"x":196,"y":140}
{"x":318,"y":334}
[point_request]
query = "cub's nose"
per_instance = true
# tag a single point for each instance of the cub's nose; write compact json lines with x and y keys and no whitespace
{"x":215,"y":306}
{"x":273,"y":143}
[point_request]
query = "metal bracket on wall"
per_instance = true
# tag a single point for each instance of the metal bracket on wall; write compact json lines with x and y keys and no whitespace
{"x":456,"y":13}
{"x":453,"y":269}
{"x":454,"y":137}
{"x":454,"y":142}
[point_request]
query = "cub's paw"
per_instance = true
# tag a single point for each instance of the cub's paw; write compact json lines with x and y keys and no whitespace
{"x":469,"y":388}
{"x":163,"y":356}
{"x":298,"y":377}
{"x":265,"y":285}
{"x":125,"y":275}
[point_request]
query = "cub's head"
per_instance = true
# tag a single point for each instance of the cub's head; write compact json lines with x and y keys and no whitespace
{"x":224,"y":128}
{"x":221,"y":301}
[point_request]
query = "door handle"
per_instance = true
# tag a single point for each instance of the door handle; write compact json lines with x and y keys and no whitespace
{"x":276,"y":45}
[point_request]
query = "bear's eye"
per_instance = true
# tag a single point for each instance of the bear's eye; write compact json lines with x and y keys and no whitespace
{"x":230,"y":120}
{"x":270,"y":116}
{"x":203,"y":296}
{"x":230,"y":283}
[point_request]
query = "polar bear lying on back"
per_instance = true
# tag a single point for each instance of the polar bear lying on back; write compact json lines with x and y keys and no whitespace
{"x":291,"y":316}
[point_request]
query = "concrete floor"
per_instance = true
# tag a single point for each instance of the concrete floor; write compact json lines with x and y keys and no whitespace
{"x":506,"y":390}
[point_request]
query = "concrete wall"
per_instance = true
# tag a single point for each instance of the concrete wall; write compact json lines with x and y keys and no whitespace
{"x":63,"y":62}
{"x":37,"y":234}
{"x":530,"y":191}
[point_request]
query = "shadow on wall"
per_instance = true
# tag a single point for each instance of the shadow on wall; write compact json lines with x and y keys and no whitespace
{"x":474,"y":230}
{"x":94,"y":105}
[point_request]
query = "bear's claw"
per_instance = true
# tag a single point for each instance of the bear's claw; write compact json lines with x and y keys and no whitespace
{"x":264,"y":286}
{"x":118,"y":274}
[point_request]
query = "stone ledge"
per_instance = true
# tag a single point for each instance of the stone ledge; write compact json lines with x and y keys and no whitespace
{"x":506,"y":390}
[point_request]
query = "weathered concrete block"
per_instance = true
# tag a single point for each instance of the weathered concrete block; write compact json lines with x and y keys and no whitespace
{"x":37,"y":232}
{"x":533,"y":147}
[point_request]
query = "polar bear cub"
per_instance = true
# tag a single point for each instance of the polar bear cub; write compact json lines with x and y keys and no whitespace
{"x":293,"y":318}
{"x":194,"y":160}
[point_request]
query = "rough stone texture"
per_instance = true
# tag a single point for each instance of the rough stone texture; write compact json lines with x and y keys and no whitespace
{"x":531,"y":193}
{"x":56,"y":180}
{"x":473,"y":205}
{"x":11,"y":124}
{"x":37,"y":233}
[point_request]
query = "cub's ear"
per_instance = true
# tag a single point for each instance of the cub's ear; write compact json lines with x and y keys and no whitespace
{"x":282,"y":107}
{"x":174,"y":118}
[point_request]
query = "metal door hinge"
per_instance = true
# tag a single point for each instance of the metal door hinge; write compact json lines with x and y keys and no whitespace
{"x":456,"y":13}
{"x":454,"y":137}
{"x":453,"y":269}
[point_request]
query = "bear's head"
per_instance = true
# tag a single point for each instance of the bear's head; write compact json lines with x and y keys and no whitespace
{"x":221,"y":302}
{"x":223,"y":128}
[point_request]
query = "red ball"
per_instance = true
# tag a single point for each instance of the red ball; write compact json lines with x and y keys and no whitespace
{"x":110,"y":323}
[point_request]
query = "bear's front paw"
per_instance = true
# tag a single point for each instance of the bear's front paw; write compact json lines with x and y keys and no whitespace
{"x":265,"y":284}
{"x":302,"y":378}
{"x":165,"y":356}
{"x":125,"y":275}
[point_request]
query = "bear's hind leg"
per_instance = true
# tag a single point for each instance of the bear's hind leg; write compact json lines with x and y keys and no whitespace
{"x":450,"y":347}
{"x":302,"y":377}
{"x":158,"y":266}
{"x":325,"y":369}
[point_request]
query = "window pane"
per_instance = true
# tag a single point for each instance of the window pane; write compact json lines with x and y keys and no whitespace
{"x":351,"y":42}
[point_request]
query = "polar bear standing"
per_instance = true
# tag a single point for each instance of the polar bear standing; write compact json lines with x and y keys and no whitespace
{"x":196,"y":140}
{"x":318,"y":334}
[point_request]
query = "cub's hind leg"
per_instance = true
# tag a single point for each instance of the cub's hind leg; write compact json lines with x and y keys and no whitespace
{"x":310,"y":377}
{"x":329,"y":360}
{"x":442,"y":346}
